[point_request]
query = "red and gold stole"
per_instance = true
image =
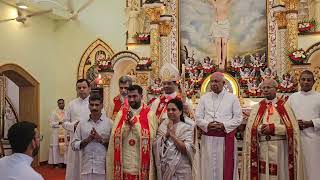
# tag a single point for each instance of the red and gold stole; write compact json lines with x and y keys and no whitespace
{"x":145,"y":143}
{"x":254,"y":164}
{"x":118,"y":104}
{"x":162,"y":107}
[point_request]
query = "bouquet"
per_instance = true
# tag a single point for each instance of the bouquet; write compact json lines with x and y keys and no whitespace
{"x":298,"y":56}
{"x":143,"y":37}
{"x":144,"y":63}
{"x":306,"y":26}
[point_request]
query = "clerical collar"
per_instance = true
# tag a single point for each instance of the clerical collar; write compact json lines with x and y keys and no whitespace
{"x":220,"y":94}
{"x":136,"y":111}
{"x":172,"y":95}
{"x":307,"y":93}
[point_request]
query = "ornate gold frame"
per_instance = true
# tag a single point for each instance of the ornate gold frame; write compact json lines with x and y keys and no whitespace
{"x":280,"y":15}
{"x":228,"y":78}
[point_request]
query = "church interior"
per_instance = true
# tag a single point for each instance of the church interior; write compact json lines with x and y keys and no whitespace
{"x":47,"y":45}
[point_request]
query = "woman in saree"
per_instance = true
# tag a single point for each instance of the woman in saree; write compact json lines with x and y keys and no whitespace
{"x":173,"y":147}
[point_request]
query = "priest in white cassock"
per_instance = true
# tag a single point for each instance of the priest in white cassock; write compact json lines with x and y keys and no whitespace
{"x":169,"y":75}
{"x":305,"y":105}
{"x":218,"y":115}
{"x":76,"y":111}
{"x":57,"y":145}
{"x":271,"y":149}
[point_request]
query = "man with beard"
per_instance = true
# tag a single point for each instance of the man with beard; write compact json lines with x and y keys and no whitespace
{"x":130,"y":152}
{"x":305,"y":105}
{"x":24,"y":140}
{"x":121,"y":99}
{"x":169,"y":76}
{"x":92,"y":138}
{"x":76,"y":111}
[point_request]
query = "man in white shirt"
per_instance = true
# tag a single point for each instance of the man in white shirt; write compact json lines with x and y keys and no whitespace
{"x":92,"y":138}
{"x":25,"y":141}
{"x":57,"y":144}
{"x":218,"y":115}
{"x":76,"y":111}
{"x":305,"y":105}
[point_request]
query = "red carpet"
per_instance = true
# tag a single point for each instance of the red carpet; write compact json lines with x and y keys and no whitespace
{"x":50,"y":173}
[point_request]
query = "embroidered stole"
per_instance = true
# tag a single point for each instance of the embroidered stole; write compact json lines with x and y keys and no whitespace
{"x":145,"y":143}
{"x":117,"y":105}
{"x":254,"y":162}
{"x":61,"y":135}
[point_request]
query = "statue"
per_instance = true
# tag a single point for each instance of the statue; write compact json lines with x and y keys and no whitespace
{"x":220,"y":29}
{"x":237,"y":62}
{"x":190,"y":65}
{"x":267,"y":74}
{"x":257,"y":61}
{"x":287,"y":84}
{"x":134,"y":22}
{"x":253,"y":88}
{"x":156,"y":87}
{"x":207,"y":65}
{"x":196,"y":79}
{"x":246,"y":75}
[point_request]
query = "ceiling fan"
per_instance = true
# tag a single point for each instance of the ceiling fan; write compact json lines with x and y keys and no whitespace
{"x":68,"y":6}
{"x":22,"y":17}
{"x":75,"y":14}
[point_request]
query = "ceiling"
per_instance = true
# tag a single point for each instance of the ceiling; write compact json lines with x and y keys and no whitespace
{"x":59,"y":7}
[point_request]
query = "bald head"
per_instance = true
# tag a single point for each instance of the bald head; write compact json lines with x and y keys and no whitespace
{"x":217,"y":82}
{"x":269,"y":88}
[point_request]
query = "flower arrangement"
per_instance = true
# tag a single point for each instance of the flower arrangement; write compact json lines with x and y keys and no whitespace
{"x":143,"y":37}
{"x":306,"y":26}
{"x":298,"y":56}
{"x":144,"y":63}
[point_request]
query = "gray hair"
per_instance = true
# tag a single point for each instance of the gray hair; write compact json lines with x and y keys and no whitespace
{"x":272,"y":82}
{"x":125,"y":80}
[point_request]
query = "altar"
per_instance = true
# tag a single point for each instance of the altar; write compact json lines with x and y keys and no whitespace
{"x":158,"y":33}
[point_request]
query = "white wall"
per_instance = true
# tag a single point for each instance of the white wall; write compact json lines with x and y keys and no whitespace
{"x":306,"y":41}
{"x":51,"y":52}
